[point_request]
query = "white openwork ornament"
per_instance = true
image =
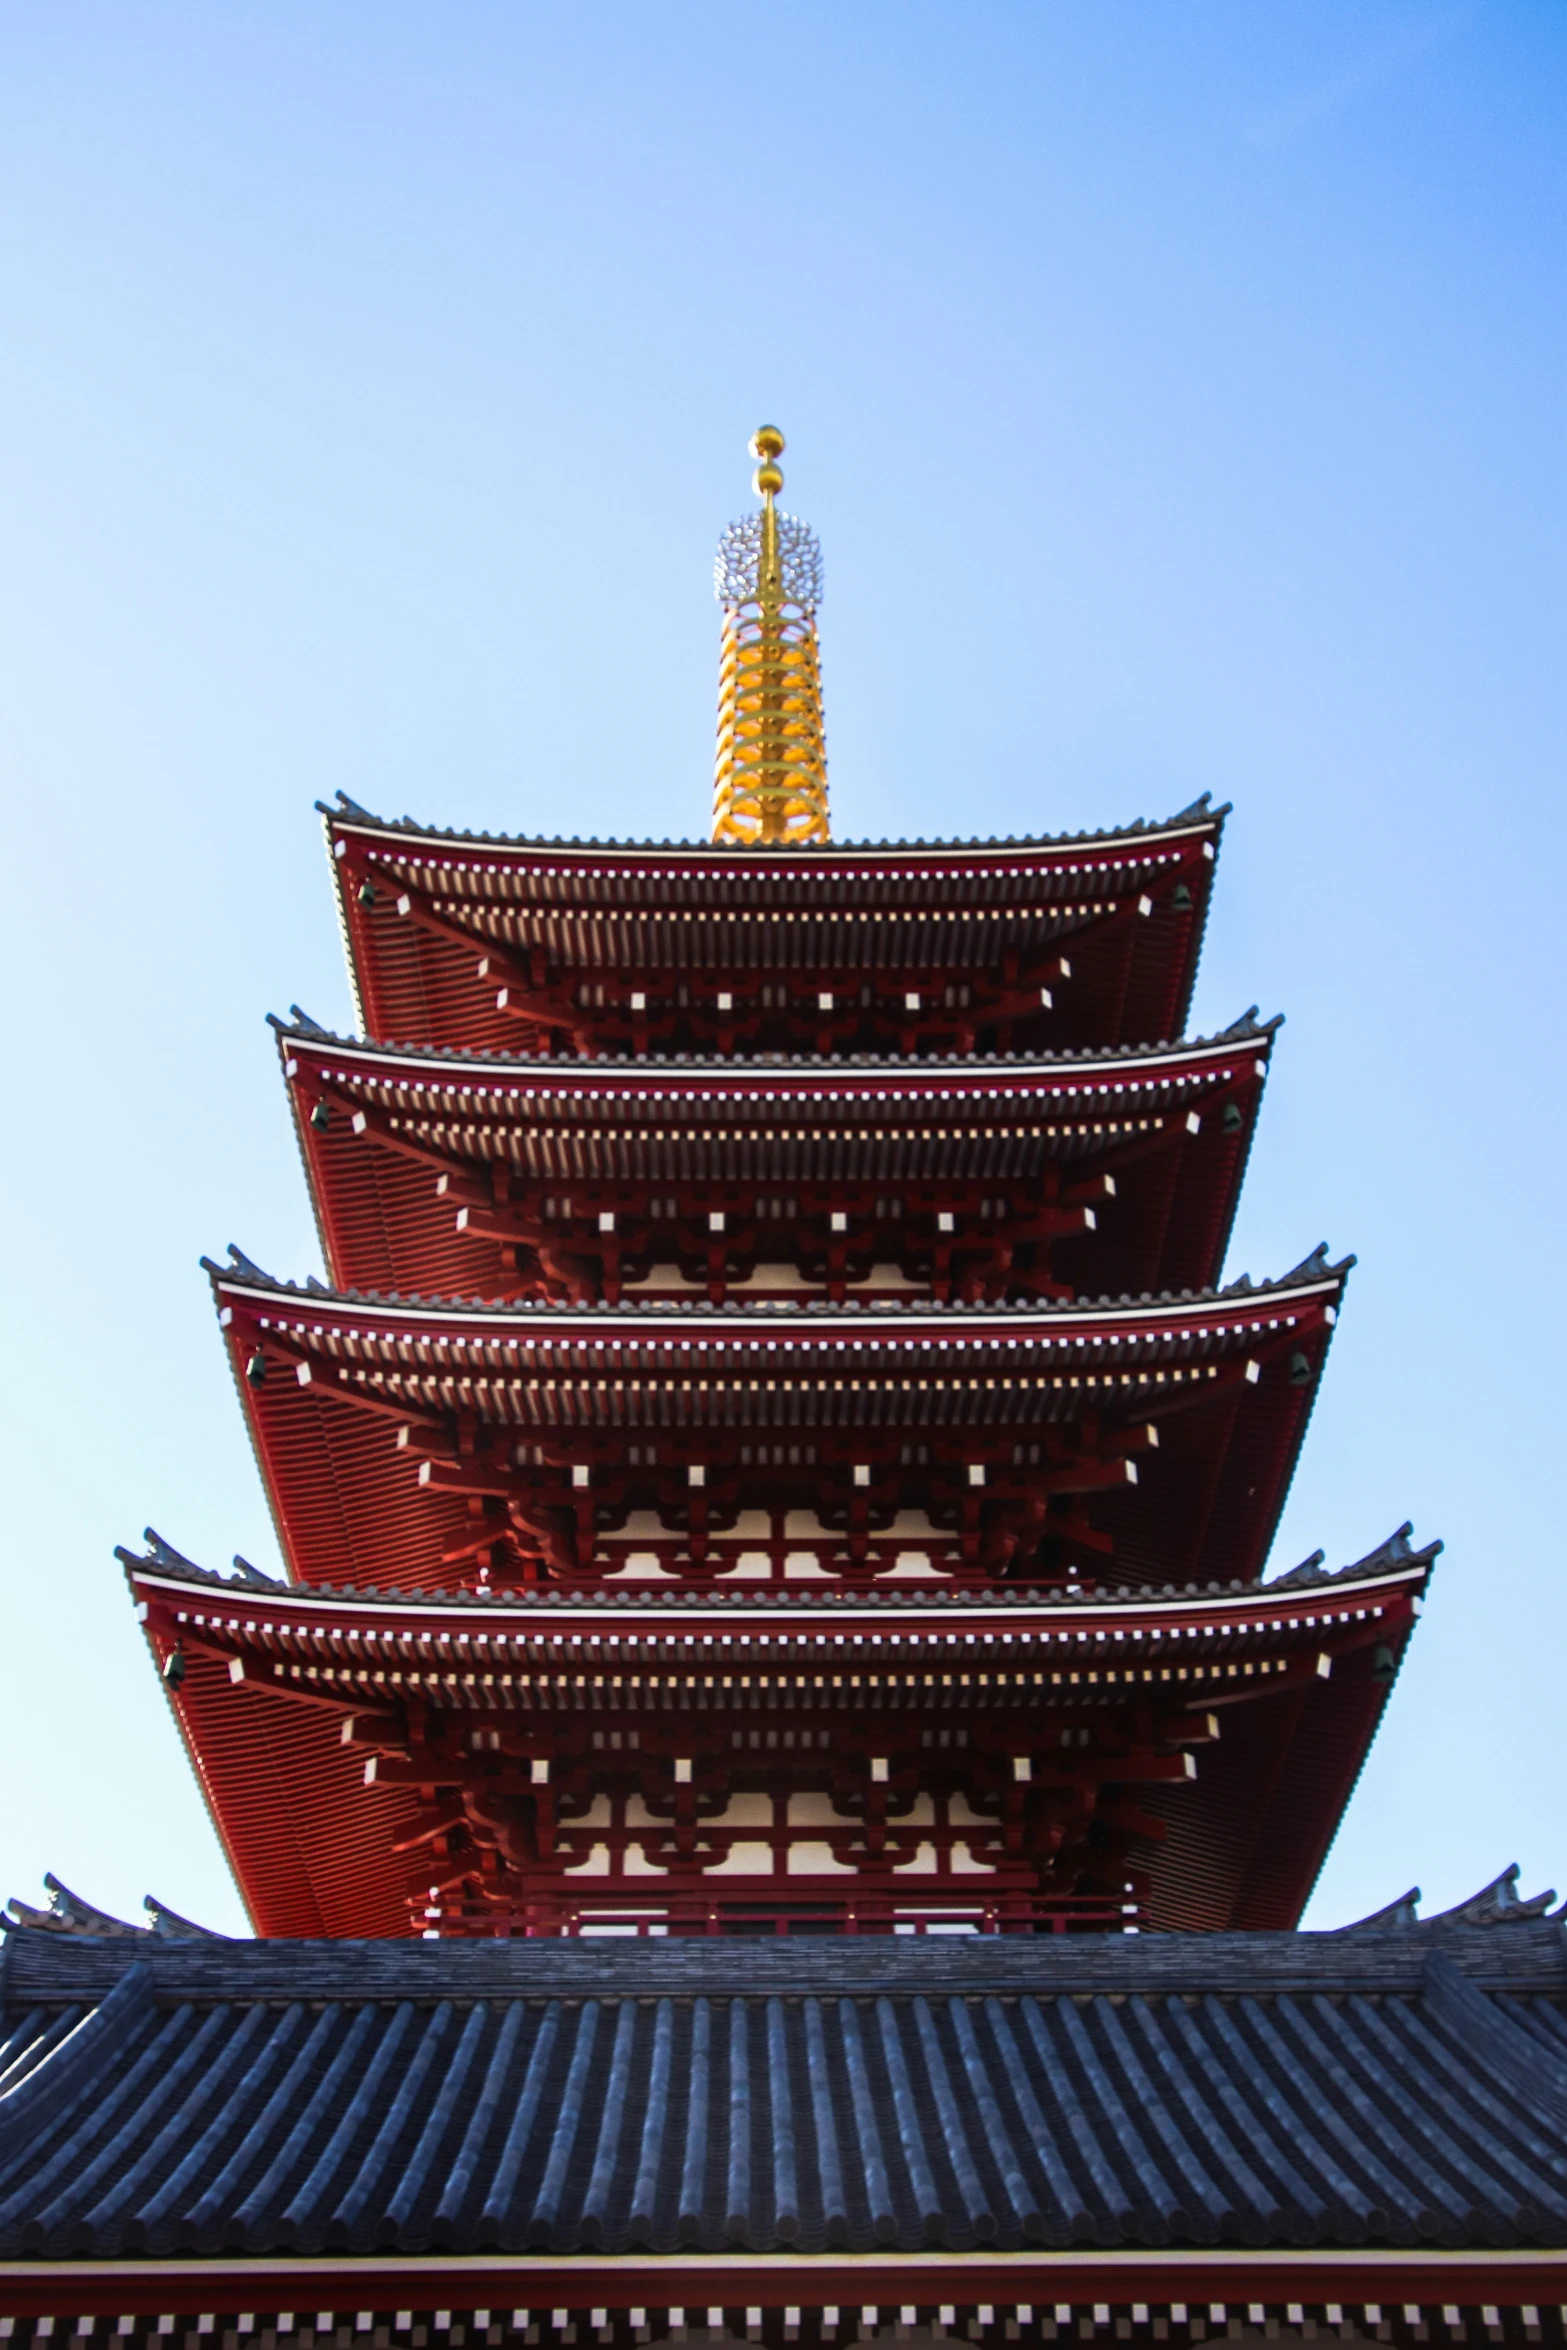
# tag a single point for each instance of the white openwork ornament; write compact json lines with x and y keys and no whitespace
{"x":737,"y":567}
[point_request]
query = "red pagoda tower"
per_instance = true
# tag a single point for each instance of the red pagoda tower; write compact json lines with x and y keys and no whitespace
{"x":772,"y":1455}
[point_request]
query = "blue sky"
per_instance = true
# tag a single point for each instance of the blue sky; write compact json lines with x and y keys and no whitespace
{"x":1179,"y":395}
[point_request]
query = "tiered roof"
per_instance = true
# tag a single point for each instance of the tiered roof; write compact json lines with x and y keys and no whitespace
{"x":1268,"y":1695}
{"x":479,"y":941}
{"x":377,"y":1422}
{"x":755,"y":1246}
{"x":429,"y":1170}
{"x":843,"y":1428}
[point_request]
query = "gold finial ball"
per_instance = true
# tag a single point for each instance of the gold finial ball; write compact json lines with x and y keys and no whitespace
{"x":767,"y":441}
{"x":767,"y":481}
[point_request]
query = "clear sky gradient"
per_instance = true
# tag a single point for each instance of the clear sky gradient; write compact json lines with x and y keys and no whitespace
{"x":1178,"y":392}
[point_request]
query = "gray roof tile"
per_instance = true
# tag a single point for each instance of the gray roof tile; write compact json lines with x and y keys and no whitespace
{"x":172,"y":2096}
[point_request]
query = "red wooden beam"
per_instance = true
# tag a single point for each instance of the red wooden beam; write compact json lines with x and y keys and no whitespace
{"x":1347,"y":2276}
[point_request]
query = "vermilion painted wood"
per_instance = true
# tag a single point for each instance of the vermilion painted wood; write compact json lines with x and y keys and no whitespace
{"x":1152,"y":1440}
{"x":506,"y":945}
{"x":1505,"y":2277}
{"x":464,"y":1175}
{"x":274,"y":1682}
{"x":781,"y":1186}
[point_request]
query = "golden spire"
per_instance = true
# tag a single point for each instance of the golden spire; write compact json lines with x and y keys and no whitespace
{"x":771,"y":780}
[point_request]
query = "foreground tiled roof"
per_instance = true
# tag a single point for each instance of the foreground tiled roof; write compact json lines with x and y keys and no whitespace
{"x":161,"y":2094}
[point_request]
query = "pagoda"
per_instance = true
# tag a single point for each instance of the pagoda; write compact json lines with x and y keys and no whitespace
{"x":772,"y":1454}
{"x":773,"y":1457}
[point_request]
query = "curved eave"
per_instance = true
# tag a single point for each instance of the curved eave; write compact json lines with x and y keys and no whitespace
{"x":1172,"y":1127}
{"x":1214,"y":1377}
{"x":1198,"y":821}
{"x":307,"y":1844}
{"x":312,"y":1844}
{"x":624,"y":1618}
{"x":452,"y":942}
{"x":810,"y":1076}
{"x":1230,"y":1311}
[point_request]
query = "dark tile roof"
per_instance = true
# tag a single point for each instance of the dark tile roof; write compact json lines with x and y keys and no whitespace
{"x":803,"y":1600}
{"x":1313,"y":1268}
{"x":1198,"y":811}
{"x":1496,"y":1904}
{"x":300,"y":1028}
{"x":164,"y":2095}
{"x":68,"y":1913}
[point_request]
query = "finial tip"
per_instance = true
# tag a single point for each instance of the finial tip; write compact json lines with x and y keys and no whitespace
{"x":767,"y":442}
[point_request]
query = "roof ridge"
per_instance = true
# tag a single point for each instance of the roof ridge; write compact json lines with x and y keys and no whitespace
{"x":624,"y":1598}
{"x":1247,"y":1027}
{"x":1394,"y":1552}
{"x":1313,"y":1268}
{"x":1052,"y":1959}
{"x":1142,"y":827}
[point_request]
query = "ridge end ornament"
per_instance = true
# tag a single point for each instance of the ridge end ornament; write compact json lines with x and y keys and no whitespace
{"x":770,"y":781}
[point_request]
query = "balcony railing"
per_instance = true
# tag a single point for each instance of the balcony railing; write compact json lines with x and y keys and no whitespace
{"x":692,"y":1916}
